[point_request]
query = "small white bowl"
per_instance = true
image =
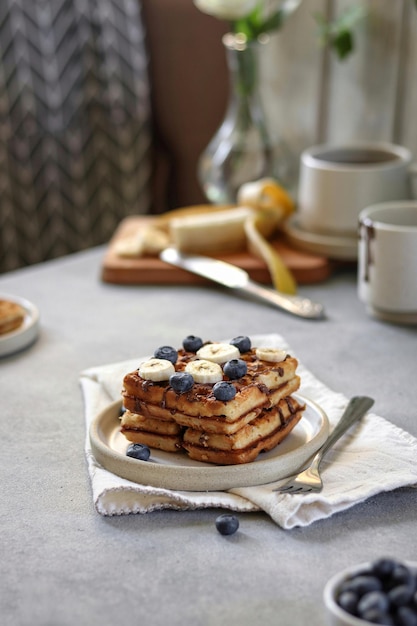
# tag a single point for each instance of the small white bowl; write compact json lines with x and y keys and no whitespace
{"x":25,"y":335}
{"x":336,"y":616}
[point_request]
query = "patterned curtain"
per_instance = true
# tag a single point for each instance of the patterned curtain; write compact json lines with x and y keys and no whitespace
{"x":75,"y":133}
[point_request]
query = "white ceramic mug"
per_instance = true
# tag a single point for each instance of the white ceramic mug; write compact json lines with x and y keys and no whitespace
{"x":387,"y":264}
{"x":337,"y":182}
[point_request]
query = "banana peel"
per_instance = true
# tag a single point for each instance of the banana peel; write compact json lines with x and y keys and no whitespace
{"x":272,"y":206}
{"x":261,"y":208}
{"x":281,"y":277}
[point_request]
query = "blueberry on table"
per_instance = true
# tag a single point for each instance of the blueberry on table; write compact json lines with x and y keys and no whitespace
{"x":181,"y":382}
{"x":227,"y":524}
{"x":242,"y":343}
{"x":235,"y":368}
{"x":166,"y":352}
{"x":192,"y":343}
{"x":138,"y":451}
{"x":224,"y":391}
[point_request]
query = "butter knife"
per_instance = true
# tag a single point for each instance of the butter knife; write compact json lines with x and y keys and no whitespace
{"x":236,"y":278}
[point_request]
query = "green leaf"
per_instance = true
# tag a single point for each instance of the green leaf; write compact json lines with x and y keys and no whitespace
{"x":338,"y":33}
{"x":244,"y":27}
{"x":343,"y":44}
{"x":274,"y":22}
{"x":250,"y":25}
{"x":254,"y":25}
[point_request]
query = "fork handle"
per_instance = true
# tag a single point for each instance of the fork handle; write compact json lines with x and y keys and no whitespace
{"x":355,"y":410}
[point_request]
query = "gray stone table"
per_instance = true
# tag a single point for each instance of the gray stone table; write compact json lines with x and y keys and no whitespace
{"x":64,"y":564}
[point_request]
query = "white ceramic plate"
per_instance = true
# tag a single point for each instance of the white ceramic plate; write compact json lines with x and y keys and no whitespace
{"x":171,"y":470}
{"x":26,"y":334}
{"x":342,"y":248}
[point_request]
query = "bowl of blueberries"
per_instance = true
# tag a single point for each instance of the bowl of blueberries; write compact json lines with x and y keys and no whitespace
{"x":380,"y":592}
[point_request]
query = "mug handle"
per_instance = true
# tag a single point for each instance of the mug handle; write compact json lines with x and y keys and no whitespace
{"x":366,"y":235}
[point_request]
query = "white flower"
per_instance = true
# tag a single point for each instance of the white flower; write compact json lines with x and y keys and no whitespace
{"x":227,"y":9}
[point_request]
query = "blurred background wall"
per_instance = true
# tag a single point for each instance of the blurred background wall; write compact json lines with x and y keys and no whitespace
{"x":312,"y":97}
{"x":106,"y":105}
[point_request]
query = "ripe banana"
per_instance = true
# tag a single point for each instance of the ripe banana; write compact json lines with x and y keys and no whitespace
{"x":261,"y":207}
{"x":156,"y":370}
{"x":273,"y":355}
{"x":204,"y":371}
{"x":219,"y":231}
{"x":218,"y":352}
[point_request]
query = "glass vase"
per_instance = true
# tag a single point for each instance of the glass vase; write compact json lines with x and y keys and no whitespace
{"x":242,"y":149}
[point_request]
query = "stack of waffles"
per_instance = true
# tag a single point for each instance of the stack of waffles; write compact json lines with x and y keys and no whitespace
{"x":221,"y":403}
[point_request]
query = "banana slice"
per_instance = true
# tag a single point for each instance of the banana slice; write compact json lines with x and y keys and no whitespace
{"x":156,"y":370}
{"x":204,"y":371}
{"x":218,"y":352}
{"x":273,"y":355}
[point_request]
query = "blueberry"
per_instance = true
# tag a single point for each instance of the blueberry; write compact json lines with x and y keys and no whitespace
{"x":166,"y":352}
{"x":242,"y":343}
{"x":235,"y":368}
{"x":362,"y":584}
{"x":192,"y":343}
{"x":400,"y":595}
{"x":400,"y":575}
{"x":406,"y":616}
{"x":227,"y":524}
{"x":373,"y":601}
{"x":384,"y":566}
{"x":377,"y":617}
{"x":181,"y":382}
{"x":123,"y":410}
{"x":224,"y":391}
{"x":348,"y":601}
{"x":138,"y":451}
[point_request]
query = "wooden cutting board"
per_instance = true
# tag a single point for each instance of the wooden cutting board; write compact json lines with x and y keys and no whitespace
{"x":307,"y":268}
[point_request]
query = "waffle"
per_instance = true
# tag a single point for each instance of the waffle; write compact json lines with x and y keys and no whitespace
{"x":161,"y":434}
{"x":256,"y":419}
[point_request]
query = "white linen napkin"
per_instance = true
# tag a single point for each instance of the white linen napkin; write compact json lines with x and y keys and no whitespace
{"x":375,"y":457}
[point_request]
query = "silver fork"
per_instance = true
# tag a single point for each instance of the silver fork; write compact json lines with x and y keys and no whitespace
{"x":310,"y":480}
